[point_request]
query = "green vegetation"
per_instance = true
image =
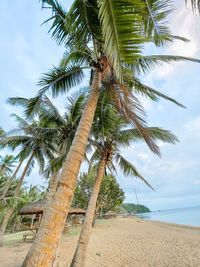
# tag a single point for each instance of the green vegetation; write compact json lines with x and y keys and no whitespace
{"x":110,"y":196}
{"x":26,"y":196}
{"x":133,"y":208}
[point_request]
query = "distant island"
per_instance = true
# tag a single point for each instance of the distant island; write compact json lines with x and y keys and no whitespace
{"x":133,"y":208}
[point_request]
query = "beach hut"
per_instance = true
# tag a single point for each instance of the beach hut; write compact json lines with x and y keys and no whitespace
{"x":36,"y":209}
{"x":110,"y":214}
{"x":39,"y":206}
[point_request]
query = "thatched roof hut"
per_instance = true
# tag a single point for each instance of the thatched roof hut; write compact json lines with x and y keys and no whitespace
{"x":39,"y":206}
{"x":110,"y":214}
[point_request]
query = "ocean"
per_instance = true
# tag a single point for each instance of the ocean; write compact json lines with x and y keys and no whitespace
{"x":186,"y":216}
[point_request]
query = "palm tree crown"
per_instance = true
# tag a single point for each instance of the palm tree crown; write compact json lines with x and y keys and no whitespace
{"x":6,"y":164}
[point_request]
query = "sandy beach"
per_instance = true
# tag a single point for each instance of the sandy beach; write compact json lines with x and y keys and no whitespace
{"x":125,"y":242}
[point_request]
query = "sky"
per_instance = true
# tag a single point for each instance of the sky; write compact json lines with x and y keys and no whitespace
{"x":27,"y":51}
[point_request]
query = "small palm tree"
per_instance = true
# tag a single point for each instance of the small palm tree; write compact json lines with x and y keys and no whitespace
{"x":110,"y":136}
{"x":59,"y":128}
{"x":6,"y":164}
{"x":34,"y":145}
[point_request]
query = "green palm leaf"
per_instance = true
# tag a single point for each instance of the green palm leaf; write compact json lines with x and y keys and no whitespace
{"x":129,"y":169}
{"x":155,"y":14}
{"x":152,"y":93}
{"x":121,"y":32}
{"x":157,"y":133}
{"x":57,"y":29}
{"x":18,"y":101}
{"x":60,"y":80}
{"x":147,"y":63}
{"x":52,"y":108}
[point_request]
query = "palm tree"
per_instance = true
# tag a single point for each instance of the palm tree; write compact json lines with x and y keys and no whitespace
{"x":116,"y":53}
{"x":6,"y":164}
{"x":60,"y":128}
{"x":34,"y":146}
{"x":9,"y":201}
{"x":25,"y":196}
{"x":110,"y":136}
{"x":7,"y":186}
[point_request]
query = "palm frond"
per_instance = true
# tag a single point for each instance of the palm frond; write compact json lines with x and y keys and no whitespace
{"x":75,"y":105}
{"x":82,"y":23}
{"x":60,"y":80}
{"x":22,"y":123}
{"x":145,"y":64}
{"x":129,"y":169}
{"x":157,"y":133}
{"x":96,"y":156}
{"x":145,"y":90}
{"x":155,"y":13}
{"x":53,"y":108}
{"x":14,"y":141}
{"x":30,"y":168}
{"x":18,"y":101}
{"x":131,"y":110}
{"x":82,"y":56}
{"x":57,"y":29}
{"x":121,"y":32}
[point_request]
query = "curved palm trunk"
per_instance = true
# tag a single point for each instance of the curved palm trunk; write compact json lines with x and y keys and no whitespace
{"x":10,"y":210}
{"x":43,"y":250}
{"x":79,"y":258}
{"x":11,"y":180}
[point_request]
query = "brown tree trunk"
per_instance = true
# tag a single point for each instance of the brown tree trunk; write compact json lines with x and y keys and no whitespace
{"x":11,"y":180}
{"x":20,"y":223}
{"x":79,"y":258}
{"x":14,"y":225}
{"x":4,"y":224}
{"x":52,"y":186}
{"x":43,"y":250}
{"x":10,"y":210}
{"x":54,"y":178}
{"x":95,"y":216}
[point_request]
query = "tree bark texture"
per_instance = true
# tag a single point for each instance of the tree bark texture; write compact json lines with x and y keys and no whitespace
{"x":54,"y":177}
{"x":43,"y":251}
{"x":79,"y":258}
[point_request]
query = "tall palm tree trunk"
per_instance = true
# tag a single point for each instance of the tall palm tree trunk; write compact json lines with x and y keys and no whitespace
{"x":11,"y":180}
{"x":43,"y":251}
{"x":54,"y":177}
{"x":52,"y":186}
{"x":79,"y":258}
{"x":95,"y":216}
{"x":20,"y":223}
{"x":10,"y":210}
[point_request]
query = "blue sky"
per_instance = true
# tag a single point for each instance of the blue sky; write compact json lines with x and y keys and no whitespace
{"x":27,"y":51}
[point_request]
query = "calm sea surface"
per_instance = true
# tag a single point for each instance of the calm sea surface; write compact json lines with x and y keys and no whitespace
{"x":187,"y":216}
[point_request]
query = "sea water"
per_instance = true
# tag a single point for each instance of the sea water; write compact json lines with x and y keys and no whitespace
{"x":186,"y":216}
